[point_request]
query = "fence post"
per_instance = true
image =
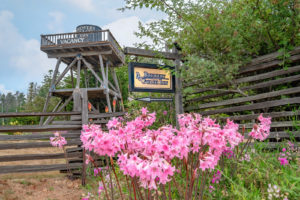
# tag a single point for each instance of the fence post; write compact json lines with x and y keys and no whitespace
{"x":178,"y":88}
{"x":84,"y":118}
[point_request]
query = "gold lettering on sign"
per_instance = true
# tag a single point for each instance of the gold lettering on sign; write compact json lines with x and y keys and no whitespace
{"x":152,"y":78}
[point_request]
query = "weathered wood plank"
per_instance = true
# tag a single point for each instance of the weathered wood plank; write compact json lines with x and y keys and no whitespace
{"x":102,"y":121}
{"x":50,"y":118}
{"x":257,"y":65}
{"x":36,"y":168}
{"x":66,"y":122}
{"x":258,"y":77}
{"x":254,"y":116}
{"x":36,"y":114}
{"x":273,"y":124}
{"x":52,"y":86}
{"x":65,"y":71}
{"x":35,"y":144}
{"x":104,"y":115}
{"x":38,"y":128}
{"x":38,"y":156}
{"x":36,"y":136}
{"x":84,"y":110}
{"x":74,"y":149}
{"x":281,"y":134}
{"x":293,"y":90}
{"x":265,"y":65}
{"x":271,"y":56}
{"x":73,"y":54}
{"x":268,"y":75}
{"x":255,"y":106}
{"x":251,"y":87}
{"x":150,"y":53}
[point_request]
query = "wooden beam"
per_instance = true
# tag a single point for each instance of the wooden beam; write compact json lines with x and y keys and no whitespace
{"x":92,"y":70}
{"x":150,"y":53}
{"x":273,"y":124}
{"x":52,"y":86}
{"x":26,"y":145}
{"x":178,"y":90}
{"x":37,"y":168}
{"x":254,"y":116}
{"x":258,"y":77}
{"x":105,"y":83}
{"x":115,"y":78}
{"x":74,"y":54}
{"x":106,"y":115}
{"x":251,"y":87}
{"x":78,"y":73}
{"x":103,"y":73}
{"x":255,"y":106}
{"x":38,"y":156}
{"x":85,"y":119}
{"x":84,"y":109}
{"x":58,"y":110}
{"x":292,"y":90}
{"x":37,"y":136}
{"x":65,"y":71}
{"x":35,"y":114}
{"x":37,"y":128}
{"x":66,"y":122}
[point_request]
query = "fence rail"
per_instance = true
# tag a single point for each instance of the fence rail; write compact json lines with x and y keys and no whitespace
{"x":262,"y":86}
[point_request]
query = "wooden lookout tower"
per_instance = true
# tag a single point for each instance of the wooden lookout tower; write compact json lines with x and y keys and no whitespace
{"x":91,"y":54}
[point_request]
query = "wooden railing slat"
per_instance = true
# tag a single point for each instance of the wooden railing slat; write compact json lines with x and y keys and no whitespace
{"x":38,"y":156}
{"x":293,"y":90}
{"x":38,"y":128}
{"x":36,"y":168}
{"x":37,"y":114}
{"x":255,"y":106}
{"x":254,"y":116}
{"x":27,"y":145}
{"x":36,"y":136}
{"x":251,"y":87}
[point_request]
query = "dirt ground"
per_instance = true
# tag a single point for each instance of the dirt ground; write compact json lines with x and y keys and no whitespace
{"x":41,"y":185}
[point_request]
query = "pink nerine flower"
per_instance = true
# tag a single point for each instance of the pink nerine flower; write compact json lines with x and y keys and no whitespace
{"x":147,"y":154}
{"x":283,"y":161}
{"x":58,"y":140}
{"x":262,"y":130}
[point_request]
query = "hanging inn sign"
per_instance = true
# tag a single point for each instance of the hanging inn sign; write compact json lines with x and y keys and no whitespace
{"x":144,"y":77}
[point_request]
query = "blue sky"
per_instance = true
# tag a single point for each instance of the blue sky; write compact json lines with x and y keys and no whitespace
{"x":23,"y":21}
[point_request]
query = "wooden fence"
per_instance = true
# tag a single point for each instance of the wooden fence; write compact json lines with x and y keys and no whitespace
{"x":37,"y":136}
{"x":262,"y":86}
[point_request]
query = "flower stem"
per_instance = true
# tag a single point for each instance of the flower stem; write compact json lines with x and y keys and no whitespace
{"x":113,"y":168}
{"x":67,"y":161}
{"x":133,"y":189}
{"x":129,"y":188}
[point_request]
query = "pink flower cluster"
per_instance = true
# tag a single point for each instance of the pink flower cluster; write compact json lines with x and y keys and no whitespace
{"x":204,"y":133}
{"x":262,"y":130}
{"x":147,"y":154}
{"x":283,"y":159}
{"x":58,"y":140}
{"x":216,"y":177}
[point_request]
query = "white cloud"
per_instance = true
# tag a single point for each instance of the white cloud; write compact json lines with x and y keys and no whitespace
{"x":56,"y":24}
{"x":86,"y":5}
{"x":3,"y":90}
{"x":123,"y":30}
{"x":23,"y":55}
